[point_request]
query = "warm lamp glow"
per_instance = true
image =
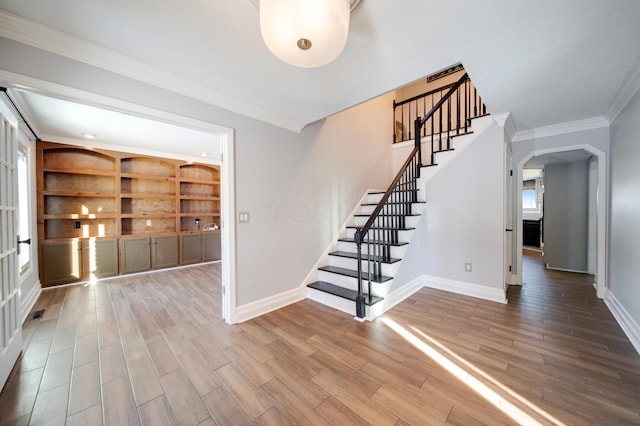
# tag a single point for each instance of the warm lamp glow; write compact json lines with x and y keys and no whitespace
{"x":305,"y":33}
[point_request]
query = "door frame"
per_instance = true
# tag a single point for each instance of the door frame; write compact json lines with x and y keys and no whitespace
{"x":601,"y":211}
{"x":227,"y":165}
{"x":11,"y":306}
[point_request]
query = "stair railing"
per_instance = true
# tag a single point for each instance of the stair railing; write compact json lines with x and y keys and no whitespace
{"x":380,"y":232}
{"x":452,"y":115}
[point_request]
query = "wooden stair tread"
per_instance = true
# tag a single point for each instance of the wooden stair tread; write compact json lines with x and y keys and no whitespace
{"x":366,"y":240}
{"x":350,"y":255}
{"x":394,"y":228}
{"x":354,"y":274}
{"x":408,"y":202}
{"x":345,"y":293}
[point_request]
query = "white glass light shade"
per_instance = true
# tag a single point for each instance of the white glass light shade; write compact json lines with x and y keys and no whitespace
{"x":289,"y":25}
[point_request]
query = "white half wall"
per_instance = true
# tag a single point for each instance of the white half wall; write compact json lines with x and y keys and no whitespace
{"x":463,"y":221}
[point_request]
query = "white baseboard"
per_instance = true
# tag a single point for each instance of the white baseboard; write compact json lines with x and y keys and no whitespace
{"x":468,"y":289}
{"x":271,"y":303}
{"x":29,"y":300}
{"x":395,"y":297}
{"x":630,"y":327}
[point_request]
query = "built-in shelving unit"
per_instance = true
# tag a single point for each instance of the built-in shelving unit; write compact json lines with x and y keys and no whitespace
{"x":86,"y":195}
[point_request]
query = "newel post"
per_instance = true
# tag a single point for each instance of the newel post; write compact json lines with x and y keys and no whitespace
{"x":360,"y":307}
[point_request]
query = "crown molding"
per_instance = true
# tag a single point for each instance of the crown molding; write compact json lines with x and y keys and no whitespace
{"x":34,"y":34}
{"x":506,"y":121}
{"x":561,"y":129}
{"x":628,"y":90}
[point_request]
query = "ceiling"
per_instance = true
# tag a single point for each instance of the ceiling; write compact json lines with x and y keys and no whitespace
{"x":64,"y":121}
{"x":546,"y":62}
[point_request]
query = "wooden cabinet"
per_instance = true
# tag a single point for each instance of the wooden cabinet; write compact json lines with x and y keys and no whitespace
{"x":212,"y":247}
{"x":100,"y":258}
{"x":135,"y":255}
{"x":63,"y":260}
{"x":190,"y":249}
{"x":164,"y":251}
{"x":123,"y":213}
{"x":200,"y":247}
{"x":79,"y":260}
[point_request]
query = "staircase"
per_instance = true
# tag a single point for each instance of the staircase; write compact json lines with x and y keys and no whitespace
{"x":357,"y":274}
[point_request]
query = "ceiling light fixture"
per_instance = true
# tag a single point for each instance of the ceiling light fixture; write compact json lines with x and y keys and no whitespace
{"x":89,"y":136}
{"x":305,"y":33}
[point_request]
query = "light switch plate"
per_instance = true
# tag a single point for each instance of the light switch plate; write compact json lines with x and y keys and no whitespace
{"x":244,"y":217}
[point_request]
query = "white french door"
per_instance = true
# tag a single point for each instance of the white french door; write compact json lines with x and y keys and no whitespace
{"x":10,"y":327}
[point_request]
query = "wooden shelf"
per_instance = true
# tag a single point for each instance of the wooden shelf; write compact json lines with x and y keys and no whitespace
{"x":88,"y":172}
{"x":196,"y":214}
{"x":147,"y":176}
{"x":203,"y":182}
{"x":80,"y":194}
{"x":145,"y":215}
{"x":150,"y":196}
{"x":199,"y":198}
{"x":74,"y":216}
{"x":86,"y":194}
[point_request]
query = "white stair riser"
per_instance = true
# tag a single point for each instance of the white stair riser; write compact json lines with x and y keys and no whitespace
{"x":396,"y":251}
{"x":416,"y":208}
{"x":336,"y":302}
{"x":409,"y":221}
{"x":374,"y":198}
{"x":403,"y":235}
{"x":339,"y":280}
{"x":351,"y":283}
{"x":388,"y":269}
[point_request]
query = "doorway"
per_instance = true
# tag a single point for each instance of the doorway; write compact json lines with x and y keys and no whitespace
{"x":224,"y":135}
{"x":594,"y":244}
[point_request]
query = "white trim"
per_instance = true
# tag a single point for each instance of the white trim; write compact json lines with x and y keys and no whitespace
{"x":628,"y":90}
{"x":27,"y":302}
{"x":465,"y":288}
{"x":34,"y":34}
{"x":630,"y":327}
{"x":268,"y":304}
{"x":229,"y":255}
{"x":575,"y":271}
{"x":561,"y":129}
{"x":506,"y":121}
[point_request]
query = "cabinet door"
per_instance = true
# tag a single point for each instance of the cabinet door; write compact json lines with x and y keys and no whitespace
{"x":62,"y":262}
{"x":101,"y":258}
{"x":190,"y":251}
{"x":212,"y":247}
{"x":135,"y":255}
{"x":165,"y":251}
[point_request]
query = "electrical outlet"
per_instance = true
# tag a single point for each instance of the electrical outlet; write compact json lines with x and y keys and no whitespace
{"x":76,"y":224}
{"x":467,"y":267}
{"x":148,"y":222}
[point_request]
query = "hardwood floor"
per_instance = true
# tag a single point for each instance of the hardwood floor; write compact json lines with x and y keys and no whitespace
{"x":151,"y":349}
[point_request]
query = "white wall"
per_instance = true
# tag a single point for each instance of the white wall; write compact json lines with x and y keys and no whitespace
{"x":624,"y":235}
{"x":298,"y":188}
{"x":566,"y":214}
{"x":464,"y":219}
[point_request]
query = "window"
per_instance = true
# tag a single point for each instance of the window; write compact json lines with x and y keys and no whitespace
{"x":24,"y":257}
{"x":529,"y":199}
